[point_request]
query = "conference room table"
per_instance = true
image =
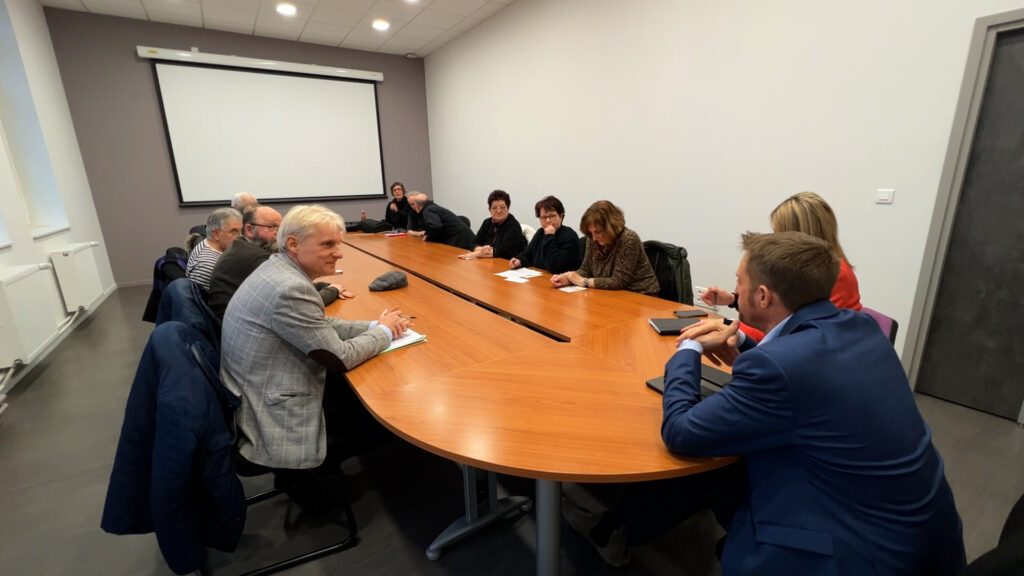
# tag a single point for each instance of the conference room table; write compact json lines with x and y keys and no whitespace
{"x":511,"y":397}
{"x":561,"y":315}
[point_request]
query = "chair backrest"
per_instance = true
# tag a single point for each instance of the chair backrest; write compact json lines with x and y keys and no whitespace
{"x":466,"y":221}
{"x":672,"y":270}
{"x":166,"y":269}
{"x":528,"y":232}
{"x":888,"y":325}
{"x":185,"y":301}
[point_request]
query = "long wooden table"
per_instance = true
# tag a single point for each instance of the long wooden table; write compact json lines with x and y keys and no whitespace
{"x":494,"y":395}
{"x":563,"y":316}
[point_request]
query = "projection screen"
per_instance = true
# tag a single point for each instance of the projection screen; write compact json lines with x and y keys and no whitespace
{"x":284,"y":137}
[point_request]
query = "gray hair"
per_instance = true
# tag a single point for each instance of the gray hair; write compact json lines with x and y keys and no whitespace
{"x":219,"y":217}
{"x":242,"y":200}
{"x":300,"y":221}
{"x":418,"y":197}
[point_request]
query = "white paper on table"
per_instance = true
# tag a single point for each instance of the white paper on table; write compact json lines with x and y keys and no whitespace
{"x":410,"y":337}
{"x":572,"y":288}
{"x":517,"y":280}
{"x":520,"y":273}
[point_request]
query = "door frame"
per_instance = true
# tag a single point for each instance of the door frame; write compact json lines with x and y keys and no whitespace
{"x":958,"y":152}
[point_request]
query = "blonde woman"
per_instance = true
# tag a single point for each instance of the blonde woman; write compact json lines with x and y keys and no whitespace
{"x":808,"y":213}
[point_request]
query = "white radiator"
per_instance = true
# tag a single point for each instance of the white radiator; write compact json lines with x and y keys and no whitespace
{"x":28,"y":318}
{"x":77,"y":275}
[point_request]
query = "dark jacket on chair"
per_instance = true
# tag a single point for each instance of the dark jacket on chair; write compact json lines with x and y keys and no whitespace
{"x":167,"y":269}
{"x":173,"y":472}
{"x":185,"y":301}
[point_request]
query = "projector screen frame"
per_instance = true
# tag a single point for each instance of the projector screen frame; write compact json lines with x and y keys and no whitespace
{"x":289,"y":200}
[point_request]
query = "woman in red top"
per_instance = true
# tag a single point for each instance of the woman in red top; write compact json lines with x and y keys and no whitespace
{"x":808,"y":213}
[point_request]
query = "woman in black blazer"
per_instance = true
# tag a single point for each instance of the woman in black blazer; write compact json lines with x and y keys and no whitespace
{"x":501,"y":235}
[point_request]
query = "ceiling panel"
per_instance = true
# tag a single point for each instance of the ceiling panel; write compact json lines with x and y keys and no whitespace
{"x":418,"y":27}
{"x":462,"y":7}
{"x":320,"y":33}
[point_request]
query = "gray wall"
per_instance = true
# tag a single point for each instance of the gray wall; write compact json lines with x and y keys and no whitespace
{"x":113,"y":101}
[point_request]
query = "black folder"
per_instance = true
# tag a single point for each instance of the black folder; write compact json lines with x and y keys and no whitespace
{"x":670,"y":326}
{"x":711,"y":380}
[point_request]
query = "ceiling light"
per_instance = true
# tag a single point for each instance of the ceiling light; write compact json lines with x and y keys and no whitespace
{"x":380,"y":24}
{"x":286,"y":9}
{"x":412,"y":1}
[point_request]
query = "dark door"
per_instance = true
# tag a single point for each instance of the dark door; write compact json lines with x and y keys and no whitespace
{"x":974,"y":354}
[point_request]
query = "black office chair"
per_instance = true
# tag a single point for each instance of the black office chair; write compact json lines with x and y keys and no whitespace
{"x":466,"y":221}
{"x":672,"y":270}
{"x":297,"y":484}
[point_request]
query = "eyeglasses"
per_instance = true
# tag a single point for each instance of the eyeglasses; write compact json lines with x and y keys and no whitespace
{"x":271,"y":227}
{"x":543,"y":217}
{"x":498,"y":208}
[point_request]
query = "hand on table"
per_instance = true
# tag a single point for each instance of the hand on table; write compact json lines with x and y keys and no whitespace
{"x":514,"y":263}
{"x":343,"y":293}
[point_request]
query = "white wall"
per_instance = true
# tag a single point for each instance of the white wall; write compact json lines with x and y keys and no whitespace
{"x":697,"y":118}
{"x":22,"y":22}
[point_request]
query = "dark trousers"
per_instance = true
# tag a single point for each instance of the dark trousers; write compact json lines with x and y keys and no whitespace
{"x":351,"y":429}
{"x":648,"y":510}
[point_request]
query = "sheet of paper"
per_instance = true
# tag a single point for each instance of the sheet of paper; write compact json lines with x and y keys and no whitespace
{"x":520,"y":273}
{"x":517,"y":280}
{"x":572,"y":288}
{"x":410,"y":337}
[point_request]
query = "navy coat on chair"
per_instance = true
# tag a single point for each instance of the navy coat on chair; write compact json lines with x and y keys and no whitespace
{"x":174,"y":471}
{"x":843,"y":476}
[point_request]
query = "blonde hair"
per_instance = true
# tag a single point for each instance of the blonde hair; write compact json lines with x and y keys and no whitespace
{"x":808,"y":213}
{"x":300,"y":221}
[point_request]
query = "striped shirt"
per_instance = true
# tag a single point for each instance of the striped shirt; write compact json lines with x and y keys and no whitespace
{"x":200,"y":264}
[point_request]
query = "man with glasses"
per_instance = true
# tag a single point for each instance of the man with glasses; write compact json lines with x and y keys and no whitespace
{"x":223,"y":227}
{"x":258,"y":242}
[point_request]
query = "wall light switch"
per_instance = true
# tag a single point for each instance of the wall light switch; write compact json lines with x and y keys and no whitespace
{"x":884,"y":195}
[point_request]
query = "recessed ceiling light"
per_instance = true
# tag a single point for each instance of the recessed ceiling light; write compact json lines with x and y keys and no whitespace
{"x":286,"y":9}
{"x":411,"y":55}
{"x":412,"y":1}
{"x":381,"y":24}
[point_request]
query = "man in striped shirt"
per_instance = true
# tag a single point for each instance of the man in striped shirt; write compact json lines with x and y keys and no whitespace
{"x":222,"y":228}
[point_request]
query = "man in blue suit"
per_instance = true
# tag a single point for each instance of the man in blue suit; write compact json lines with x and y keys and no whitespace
{"x":842,"y":476}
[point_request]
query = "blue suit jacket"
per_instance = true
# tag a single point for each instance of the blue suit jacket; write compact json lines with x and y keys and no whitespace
{"x":843,"y":477}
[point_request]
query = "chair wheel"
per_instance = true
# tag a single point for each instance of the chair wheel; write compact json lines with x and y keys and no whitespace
{"x":433,"y":555}
{"x":526,"y":507}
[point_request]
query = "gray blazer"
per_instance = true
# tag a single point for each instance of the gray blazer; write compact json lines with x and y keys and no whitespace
{"x":272,"y":323}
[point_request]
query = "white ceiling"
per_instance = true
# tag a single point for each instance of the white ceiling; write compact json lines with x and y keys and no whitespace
{"x":417,"y":27}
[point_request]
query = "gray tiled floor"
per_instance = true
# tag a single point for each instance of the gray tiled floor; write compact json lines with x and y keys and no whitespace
{"x":58,"y":438}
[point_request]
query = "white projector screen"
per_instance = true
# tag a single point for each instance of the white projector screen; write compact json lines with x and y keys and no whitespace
{"x":277,"y":136}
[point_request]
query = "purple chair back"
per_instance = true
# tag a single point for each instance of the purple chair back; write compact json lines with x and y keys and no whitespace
{"x":887,"y":324}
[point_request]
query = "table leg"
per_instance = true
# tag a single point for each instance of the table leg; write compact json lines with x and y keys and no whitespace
{"x":549,"y":527}
{"x":483,"y":508}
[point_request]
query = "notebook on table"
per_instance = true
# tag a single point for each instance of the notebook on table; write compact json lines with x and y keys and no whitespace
{"x":712,"y":380}
{"x":670,"y":326}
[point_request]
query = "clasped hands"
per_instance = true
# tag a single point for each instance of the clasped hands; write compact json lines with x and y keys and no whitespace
{"x":395,"y":321}
{"x":720,"y":341}
{"x":479,"y":252}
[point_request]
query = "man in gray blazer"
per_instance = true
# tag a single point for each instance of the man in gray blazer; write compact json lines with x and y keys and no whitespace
{"x":278,"y":345}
